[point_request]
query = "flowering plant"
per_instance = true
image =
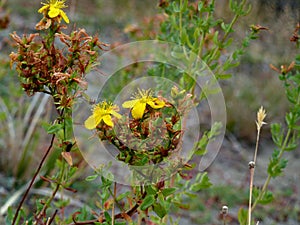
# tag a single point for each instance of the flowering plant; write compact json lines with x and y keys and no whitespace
{"x":147,"y":135}
{"x":55,"y":63}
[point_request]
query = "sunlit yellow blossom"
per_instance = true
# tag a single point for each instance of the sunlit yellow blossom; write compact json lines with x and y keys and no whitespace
{"x":102,"y":111}
{"x":138,"y":105}
{"x":53,"y":8}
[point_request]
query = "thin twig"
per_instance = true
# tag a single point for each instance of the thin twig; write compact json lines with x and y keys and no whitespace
{"x":250,"y":193}
{"x":261,"y":114}
{"x":53,"y":216}
{"x":252,"y":170}
{"x":33,"y":179}
{"x":46,"y":204}
{"x":113,"y":206}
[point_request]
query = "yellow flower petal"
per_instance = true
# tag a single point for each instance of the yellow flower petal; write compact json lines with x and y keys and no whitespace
{"x":53,"y":12}
{"x":64,"y":16}
{"x":90,"y":123}
{"x":138,"y":110}
{"x":43,"y":8}
{"x":107,"y":120}
{"x":114,"y":113}
{"x":156,"y":103}
{"x":130,"y":104}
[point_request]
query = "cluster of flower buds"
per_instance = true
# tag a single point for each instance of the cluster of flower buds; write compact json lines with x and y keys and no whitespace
{"x":54,"y":62}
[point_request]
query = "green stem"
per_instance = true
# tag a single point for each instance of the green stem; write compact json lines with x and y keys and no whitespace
{"x":201,"y":45}
{"x":43,"y":211}
{"x":180,"y":19}
{"x":58,"y":184}
{"x":266,"y":184}
{"x":227,"y":32}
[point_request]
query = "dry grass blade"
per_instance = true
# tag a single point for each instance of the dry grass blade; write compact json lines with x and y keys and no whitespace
{"x":9,"y":120}
{"x":15,"y":196}
{"x":32,"y":124}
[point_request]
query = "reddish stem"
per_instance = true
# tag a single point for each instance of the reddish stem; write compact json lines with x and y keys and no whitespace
{"x":33,"y":179}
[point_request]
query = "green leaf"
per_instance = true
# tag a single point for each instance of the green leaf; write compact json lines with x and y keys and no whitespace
{"x":91,"y":178}
{"x":200,"y":6}
{"x":242,"y":216}
{"x":159,"y":210}
{"x":203,"y":182}
{"x":9,"y":216}
{"x":229,"y":64}
{"x":196,"y":34}
{"x":107,"y":217}
{"x":123,"y":195}
{"x":144,"y":160}
{"x":176,"y":8}
{"x":184,"y":37}
{"x":168,"y":191}
{"x":224,"y":76}
{"x":277,"y":134}
{"x":200,"y":146}
{"x":52,"y":129}
{"x":147,"y":202}
{"x":266,"y":198}
{"x":290,"y":119}
{"x":224,"y":26}
{"x":62,"y":203}
{"x":120,"y":223}
{"x":292,"y":143}
{"x":215,"y":38}
{"x":151,"y":190}
{"x":276,"y":165}
{"x":227,"y":44}
{"x":72,"y":171}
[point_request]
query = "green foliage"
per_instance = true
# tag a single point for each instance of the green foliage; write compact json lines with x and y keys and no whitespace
{"x":208,"y":37}
{"x":159,"y":210}
{"x":147,"y":202}
{"x":195,"y":27}
{"x":200,"y":146}
{"x":266,"y":198}
{"x":276,"y":165}
{"x":277,"y":134}
{"x":286,"y":138}
{"x":201,"y":182}
{"x":168,"y":191}
{"x":242,"y":216}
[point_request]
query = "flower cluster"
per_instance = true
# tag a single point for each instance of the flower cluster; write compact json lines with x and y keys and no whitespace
{"x":152,"y":132}
{"x":55,"y":64}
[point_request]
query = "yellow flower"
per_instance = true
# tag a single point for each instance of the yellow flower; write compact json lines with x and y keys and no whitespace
{"x":54,"y":9}
{"x":138,"y":105}
{"x":102,"y":111}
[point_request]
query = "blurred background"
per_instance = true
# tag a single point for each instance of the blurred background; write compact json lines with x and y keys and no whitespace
{"x":23,"y":139}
